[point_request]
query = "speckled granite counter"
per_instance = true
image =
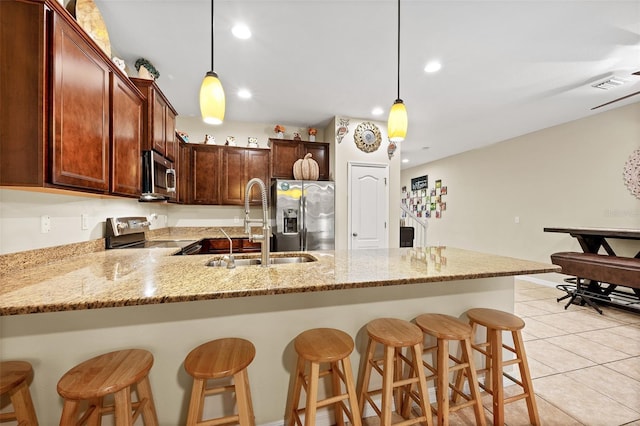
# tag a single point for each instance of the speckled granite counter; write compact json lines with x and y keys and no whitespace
{"x":151,"y":276}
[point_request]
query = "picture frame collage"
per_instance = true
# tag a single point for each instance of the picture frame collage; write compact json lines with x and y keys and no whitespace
{"x":425,"y":202}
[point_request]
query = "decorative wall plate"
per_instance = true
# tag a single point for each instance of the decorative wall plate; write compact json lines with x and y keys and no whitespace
{"x":631,"y":173}
{"x":367,"y":137}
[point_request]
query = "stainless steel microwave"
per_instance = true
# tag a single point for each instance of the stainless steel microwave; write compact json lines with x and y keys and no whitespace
{"x":158,"y":177}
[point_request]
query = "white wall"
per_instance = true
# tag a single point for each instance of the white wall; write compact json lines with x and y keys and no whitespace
{"x":346,"y":151}
{"x":564,"y":176}
{"x":20,"y":213}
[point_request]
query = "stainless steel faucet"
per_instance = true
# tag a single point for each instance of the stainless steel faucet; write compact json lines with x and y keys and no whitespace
{"x":231,"y":262}
{"x":266,"y":229}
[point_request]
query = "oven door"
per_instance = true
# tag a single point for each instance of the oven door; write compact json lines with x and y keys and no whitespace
{"x":158,"y":178}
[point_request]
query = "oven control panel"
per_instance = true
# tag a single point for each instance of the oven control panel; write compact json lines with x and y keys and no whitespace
{"x":117,"y":226}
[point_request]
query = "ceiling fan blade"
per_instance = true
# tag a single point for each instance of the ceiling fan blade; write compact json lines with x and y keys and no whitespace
{"x":616,"y":100}
{"x":619,"y":99}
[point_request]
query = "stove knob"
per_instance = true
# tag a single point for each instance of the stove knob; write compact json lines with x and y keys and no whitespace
{"x":122,"y":225}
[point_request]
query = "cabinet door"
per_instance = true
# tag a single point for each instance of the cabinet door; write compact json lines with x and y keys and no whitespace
{"x":158,"y":123}
{"x":320,"y":153}
{"x":205,"y":168}
{"x":80,"y":146}
{"x":170,"y":134}
{"x":126,"y":116}
{"x":183,"y":168}
{"x":232,"y":176}
{"x":283,"y":154}
{"x":257,"y":166}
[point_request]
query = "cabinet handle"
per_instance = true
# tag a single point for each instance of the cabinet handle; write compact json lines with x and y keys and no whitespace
{"x":355,"y":234}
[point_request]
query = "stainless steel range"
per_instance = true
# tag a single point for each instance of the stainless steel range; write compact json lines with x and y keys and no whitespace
{"x":129,"y":232}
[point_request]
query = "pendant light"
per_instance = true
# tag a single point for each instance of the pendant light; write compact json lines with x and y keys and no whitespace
{"x":212,"y":101}
{"x":398,"y":123}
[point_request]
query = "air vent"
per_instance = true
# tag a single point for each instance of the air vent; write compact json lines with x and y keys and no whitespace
{"x":610,"y":83}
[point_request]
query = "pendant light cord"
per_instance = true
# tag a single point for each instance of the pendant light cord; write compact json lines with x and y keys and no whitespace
{"x":398,"y":50}
{"x":212,"y":31}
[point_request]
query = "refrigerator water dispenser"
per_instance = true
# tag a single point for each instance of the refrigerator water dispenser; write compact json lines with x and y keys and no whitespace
{"x":290,"y":218}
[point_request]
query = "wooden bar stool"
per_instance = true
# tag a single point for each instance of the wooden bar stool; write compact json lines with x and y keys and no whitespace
{"x":446,"y":328}
{"x":394,"y":335}
{"x":114,"y":373}
{"x":324,"y":346}
{"x":495,"y":323}
{"x":226,"y":358}
{"x":14,"y":382}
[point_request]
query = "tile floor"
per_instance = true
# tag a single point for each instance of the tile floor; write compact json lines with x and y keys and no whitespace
{"x":585,"y":366}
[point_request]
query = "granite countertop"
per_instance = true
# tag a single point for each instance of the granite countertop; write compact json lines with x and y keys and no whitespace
{"x":129,"y":277}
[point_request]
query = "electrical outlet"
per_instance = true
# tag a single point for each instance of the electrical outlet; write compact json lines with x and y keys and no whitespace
{"x":84,"y":221}
{"x":45,"y":224}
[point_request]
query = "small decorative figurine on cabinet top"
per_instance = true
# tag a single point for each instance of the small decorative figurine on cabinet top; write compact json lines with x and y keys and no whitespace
{"x":312,"y":134}
{"x":253,"y":142}
{"x":209,"y":140}
{"x":296,"y":137}
{"x":231,"y":141}
{"x":279,"y":129}
{"x":146,"y":69}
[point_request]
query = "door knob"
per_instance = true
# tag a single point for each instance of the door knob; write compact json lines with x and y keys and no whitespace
{"x":355,"y":234}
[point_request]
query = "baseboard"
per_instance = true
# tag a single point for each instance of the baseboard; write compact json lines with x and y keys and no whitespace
{"x":536,"y":280}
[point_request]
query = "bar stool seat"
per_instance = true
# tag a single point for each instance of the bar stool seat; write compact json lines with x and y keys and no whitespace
{"x":496,"y":322}
{"x":14,"y":382}
{"x":445,"y":328}
{"x":221,"y":359}
{"x":314,"y":348}
{"x":394,"y":336}
{"x":115,"y":373}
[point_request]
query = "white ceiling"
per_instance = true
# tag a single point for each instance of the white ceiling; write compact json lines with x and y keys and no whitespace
{"x":509,"y":67}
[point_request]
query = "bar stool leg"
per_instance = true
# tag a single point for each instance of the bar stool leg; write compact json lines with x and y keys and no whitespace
{"x":442,"y":381}
{"x":527,"y":383}
{"x":336,"y":388}
{"x":371,"y":348}
{"x":472,"y":376}
{"x":243,"y":398}
{"x":495,"y":343}
{"x":387,"y":389}
{"x":351,"y":390}
{"x":145,"y":396}
{"x":123,"y":407}
{"x":196,"y":403}
{"x":23,"y":404}
{"x":425,"y":407}
{"x":312,"y":395}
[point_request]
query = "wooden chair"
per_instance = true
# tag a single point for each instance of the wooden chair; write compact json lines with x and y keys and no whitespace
{"x":115,"y":373}
{"x":324,"y":346}
{"x":14,"y":382}
{"x":394,"y":336}
{"x":496,"y":322}
{"x":218,"y":360}
{"x":445,"y":328}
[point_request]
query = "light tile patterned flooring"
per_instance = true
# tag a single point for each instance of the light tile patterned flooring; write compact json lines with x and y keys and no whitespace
{"x":585,"y":366}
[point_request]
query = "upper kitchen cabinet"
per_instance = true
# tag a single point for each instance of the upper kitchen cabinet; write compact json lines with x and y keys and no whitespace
{"x":159,"y":119}
{"x":285,"y":152}
{"x":203,"y":174}
{"x":126,"y":136}
{"x":239,"y":165}
{"x":56,"y":102}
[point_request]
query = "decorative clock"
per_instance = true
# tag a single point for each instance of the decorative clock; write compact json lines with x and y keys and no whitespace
{"x":367,"y":137}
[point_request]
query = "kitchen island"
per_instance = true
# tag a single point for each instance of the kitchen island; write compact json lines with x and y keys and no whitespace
{"x":106,"y":300}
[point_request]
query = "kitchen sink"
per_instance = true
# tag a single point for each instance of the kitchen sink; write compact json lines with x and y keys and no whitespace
{"x":280,"y":259}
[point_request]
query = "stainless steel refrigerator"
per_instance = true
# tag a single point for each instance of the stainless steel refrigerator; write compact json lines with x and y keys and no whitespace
{"x":303,"y":214}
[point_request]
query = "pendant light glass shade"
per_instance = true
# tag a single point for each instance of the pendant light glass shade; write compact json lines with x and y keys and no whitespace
{"x":398,"y":122}
{"x":212,"y":100}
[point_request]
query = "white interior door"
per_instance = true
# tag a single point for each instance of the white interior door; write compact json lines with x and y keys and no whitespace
{"x":368,"y":205}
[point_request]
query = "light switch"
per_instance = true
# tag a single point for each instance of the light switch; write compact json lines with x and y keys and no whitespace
{"x":45,"y":224}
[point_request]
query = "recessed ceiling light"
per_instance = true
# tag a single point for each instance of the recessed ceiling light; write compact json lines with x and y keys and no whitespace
{"x":377,"y":111}
{"x":433,"y":66}
{"x":405,"y":160}
{"x":241,"y":31}
{"x":244,"y":94}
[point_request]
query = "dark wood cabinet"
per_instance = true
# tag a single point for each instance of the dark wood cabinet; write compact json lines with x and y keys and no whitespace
{"x":219,"y":174}
{"x":159,"y":119}
{"x":285,"y":152}
{"x":126,"y":137}
{"x":183,"y":168}
{"x":70,"y":118}
{"x":204,"y":174}
{"x":239,"y":165}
